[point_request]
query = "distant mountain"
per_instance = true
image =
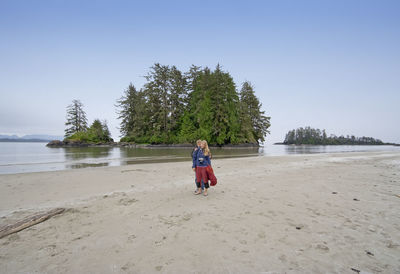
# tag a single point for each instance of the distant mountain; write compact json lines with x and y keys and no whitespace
{"x":29,"y":138}
{"x":9,"y":136}
{"x":43,"y":137}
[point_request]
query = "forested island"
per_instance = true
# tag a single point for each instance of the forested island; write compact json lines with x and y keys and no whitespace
{"x":78,"y":133}
{"x":175,"y":107}
{"x":311,"y":136}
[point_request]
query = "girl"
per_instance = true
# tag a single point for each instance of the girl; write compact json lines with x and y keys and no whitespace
{"x":202,"y":161}
{"x":194,"y":157}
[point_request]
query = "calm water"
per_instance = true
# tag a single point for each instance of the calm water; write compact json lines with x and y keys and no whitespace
{"x":34,"y":157}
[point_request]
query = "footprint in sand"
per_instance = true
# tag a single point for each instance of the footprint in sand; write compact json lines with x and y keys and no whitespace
{"x":81,"y":237}
{"x":127,"y":266}
{"x":127,"y":201}
{"x":282,"y":258}
{"x":175,"y":220}
{"x":131,"y":238}
{"x":161,"y":241}
{"x":322,"y":247}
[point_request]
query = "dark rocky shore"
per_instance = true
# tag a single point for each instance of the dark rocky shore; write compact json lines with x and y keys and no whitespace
{"x":73,"y":143}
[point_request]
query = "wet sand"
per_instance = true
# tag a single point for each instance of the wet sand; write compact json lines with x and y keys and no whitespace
{"x":328,"y":213}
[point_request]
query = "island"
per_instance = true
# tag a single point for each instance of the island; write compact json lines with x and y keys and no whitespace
{"x":176,"y":108}
{"x":312,"y":136}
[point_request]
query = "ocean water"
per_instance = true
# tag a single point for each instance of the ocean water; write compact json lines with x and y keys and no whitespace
{"x":35,"y":157}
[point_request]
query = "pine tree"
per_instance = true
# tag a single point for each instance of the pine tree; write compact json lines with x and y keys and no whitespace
{"x":225,"y":105}
{"x":76,"y":119}
{"x":177,"y":99}
{"x":250,"y":112}
{"x":132,"y":111}
{"x":246,"y":122}
{"x":97,"y":132}
{"x":106,"y":132}
{"x":157,"y":94}
{"x":200,"y":104}
{"x":189,"y":124}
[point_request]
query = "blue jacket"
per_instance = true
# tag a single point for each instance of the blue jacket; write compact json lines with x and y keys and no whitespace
{"x":199,"y":159}
{"x":194,"y":156}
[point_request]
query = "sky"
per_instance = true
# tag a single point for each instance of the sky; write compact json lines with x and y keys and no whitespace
{"x":332,"y":65}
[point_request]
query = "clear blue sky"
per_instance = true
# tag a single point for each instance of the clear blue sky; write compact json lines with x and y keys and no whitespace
{"x":325,"y":64}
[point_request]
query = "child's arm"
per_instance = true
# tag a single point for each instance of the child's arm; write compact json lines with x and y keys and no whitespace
{"x":194,"y":158}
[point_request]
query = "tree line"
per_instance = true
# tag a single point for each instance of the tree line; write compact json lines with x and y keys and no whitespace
{"x":311,"y":136}
{"x":179,"y":107}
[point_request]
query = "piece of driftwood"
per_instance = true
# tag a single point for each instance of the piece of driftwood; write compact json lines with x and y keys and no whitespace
{"x":29,"y":221}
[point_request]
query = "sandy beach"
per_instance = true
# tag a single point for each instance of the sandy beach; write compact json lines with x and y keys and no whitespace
{"x":319,"y":213}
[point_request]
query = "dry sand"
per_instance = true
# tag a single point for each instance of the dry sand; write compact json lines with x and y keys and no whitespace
{"x":267,"y":214}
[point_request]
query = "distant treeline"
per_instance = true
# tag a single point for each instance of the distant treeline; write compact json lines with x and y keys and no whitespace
{"x":181,"y":107}
{"x":311,"y":136}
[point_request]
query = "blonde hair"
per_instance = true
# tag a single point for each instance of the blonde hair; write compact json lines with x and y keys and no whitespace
{"x":198,"y":142}
{"x":206,"y":149}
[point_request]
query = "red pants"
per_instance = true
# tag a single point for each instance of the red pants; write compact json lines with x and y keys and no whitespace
{"x":201,"y":174}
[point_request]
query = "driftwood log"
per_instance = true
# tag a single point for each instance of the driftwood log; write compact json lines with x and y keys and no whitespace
{"x":29,"y":221}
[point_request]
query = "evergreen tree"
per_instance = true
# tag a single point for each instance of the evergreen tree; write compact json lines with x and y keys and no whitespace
{"x":200,"y":105}
{"x":166,"y":93}
{"x":213,"y":106}
{"x":96,"y":130}
{"x":225,"y":104}
{"x":106,"y":132}
{"x":157,"y":94}
{"x":132,"y":111}
{"x":76,"y":118}
{"x":99,"y":132}
{"x":177,"y":99}
{"x":191,"y":77}
{"x":253,"y":123}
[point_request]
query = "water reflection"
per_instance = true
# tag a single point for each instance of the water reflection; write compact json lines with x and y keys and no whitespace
{"x":292,"y":149}
{"x":83,"y":165}
{"x":82,"y":157}
{"x":156,"y":155}
{"x":307,"y":149}
{"x":76,"y":153}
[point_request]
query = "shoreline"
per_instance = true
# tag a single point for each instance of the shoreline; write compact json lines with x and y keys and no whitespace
{"x":268,"y":150}
{"x":58,"y":144}
{"x":274,"y":213}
